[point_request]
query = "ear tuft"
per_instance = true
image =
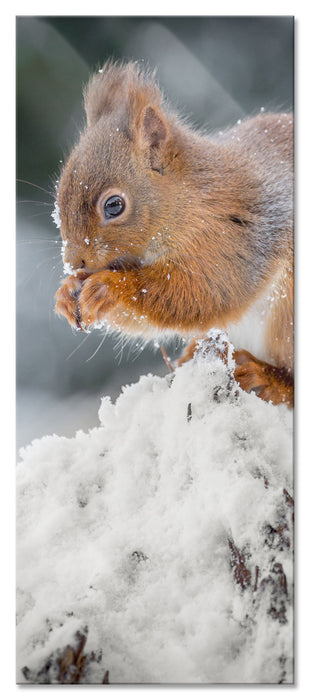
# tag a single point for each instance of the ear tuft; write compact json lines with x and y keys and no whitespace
{"x":105,"y":93}
{"x":119,"y":87}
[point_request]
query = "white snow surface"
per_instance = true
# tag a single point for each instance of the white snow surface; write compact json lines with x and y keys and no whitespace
{"x":126,"y":530}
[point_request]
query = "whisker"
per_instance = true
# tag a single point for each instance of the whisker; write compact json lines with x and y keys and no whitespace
{"x":119,"y":356}
{"x":26,"y":182}
{"x":78,"y":346}
{"x":41,"y":247}
{"x":118,"y":347}
{"x":99,"y":346}
{"x":37,"y":267}
{"x":131,"y":344}
{"x":34,"y":201}
{"x":123,"y":343}
{"x":39,"y":250}
{"x":39,"y":240}
{"x":46,"y":281}
{"x":141,"y":346}
{"x":33,"y":216}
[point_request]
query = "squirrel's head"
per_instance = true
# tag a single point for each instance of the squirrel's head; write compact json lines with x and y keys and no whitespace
{"x":118,"y":192}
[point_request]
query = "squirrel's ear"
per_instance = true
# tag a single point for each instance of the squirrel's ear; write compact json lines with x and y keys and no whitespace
{"x":154,"y":133}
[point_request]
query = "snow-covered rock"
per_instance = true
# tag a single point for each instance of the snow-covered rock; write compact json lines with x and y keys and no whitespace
{"x":163,"y":537}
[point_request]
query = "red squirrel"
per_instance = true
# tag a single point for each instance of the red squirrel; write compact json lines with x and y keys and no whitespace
{"x":166,"y":229}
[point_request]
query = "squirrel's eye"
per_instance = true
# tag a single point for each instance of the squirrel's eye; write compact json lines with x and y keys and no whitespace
{"x":113,"y":206}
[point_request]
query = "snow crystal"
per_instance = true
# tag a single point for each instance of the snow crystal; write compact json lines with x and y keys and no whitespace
{"x":68,"y":269}
{"x":63,"y":248}
{"x":56,"y":216}
{"x":158,"y":532}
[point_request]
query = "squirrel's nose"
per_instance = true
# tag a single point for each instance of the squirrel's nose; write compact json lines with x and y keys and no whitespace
{"x":74,"y":258}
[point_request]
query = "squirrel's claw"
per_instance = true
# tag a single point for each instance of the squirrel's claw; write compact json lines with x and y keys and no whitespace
{"x":67,"y":298}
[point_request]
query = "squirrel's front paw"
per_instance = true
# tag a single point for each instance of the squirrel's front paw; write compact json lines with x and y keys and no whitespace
{"x":67,"y":296}
{"x":98,"y":296}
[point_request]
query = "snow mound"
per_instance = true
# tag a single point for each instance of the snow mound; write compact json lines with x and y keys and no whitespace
{"x":161,"y":539}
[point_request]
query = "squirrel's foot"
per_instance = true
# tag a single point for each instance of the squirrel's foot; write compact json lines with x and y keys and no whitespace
{"x":269,"y":383}
{"x":67,"y":296}
{"x":98,"y":296}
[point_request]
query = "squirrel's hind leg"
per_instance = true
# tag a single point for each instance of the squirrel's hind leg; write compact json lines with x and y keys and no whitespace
{"x":270,"y":383}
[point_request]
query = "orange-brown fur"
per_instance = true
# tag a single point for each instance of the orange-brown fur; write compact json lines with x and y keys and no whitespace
{"x":206,"y":228}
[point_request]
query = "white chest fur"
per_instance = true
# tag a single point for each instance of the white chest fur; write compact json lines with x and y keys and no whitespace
{"x":249,"y":332}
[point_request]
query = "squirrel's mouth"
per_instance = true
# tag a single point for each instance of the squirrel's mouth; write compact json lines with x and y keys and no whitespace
{"x":125,"y":263}
{"x":134,"y":262}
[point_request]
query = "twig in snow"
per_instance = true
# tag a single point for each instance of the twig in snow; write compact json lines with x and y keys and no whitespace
{"x":166,"y":358}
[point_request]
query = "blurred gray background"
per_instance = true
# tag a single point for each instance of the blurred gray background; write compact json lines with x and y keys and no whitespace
{"x":215,"y":69}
